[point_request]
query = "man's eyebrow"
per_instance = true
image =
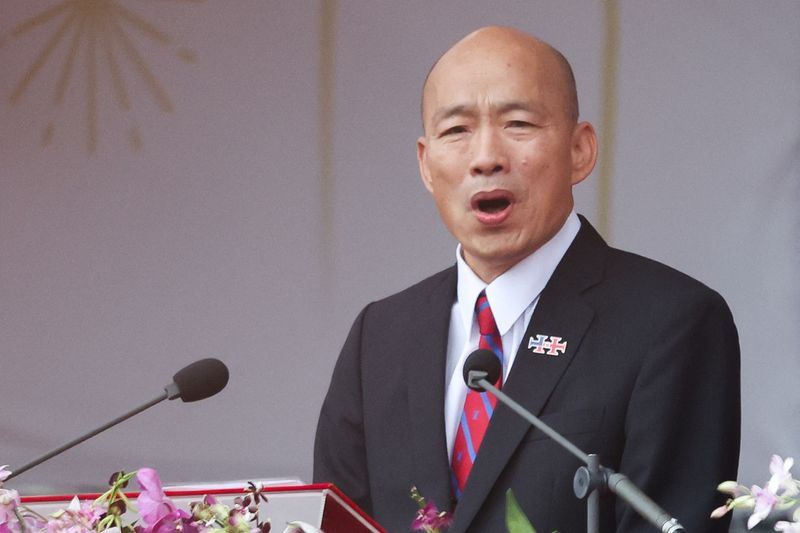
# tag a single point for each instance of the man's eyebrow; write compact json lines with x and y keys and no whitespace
{"x":518,"y":105}
{"x":450,"y":111}
{"x":500,"y":108}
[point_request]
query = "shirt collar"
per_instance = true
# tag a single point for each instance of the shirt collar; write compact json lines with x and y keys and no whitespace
{"x":512,"y":292}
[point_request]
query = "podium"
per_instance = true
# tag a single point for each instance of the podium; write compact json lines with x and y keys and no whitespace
{"x":322,"y":505}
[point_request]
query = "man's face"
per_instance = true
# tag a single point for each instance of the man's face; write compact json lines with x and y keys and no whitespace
{"x":501,"y":151}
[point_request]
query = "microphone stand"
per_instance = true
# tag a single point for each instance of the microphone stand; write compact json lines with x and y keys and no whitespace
{"x":169,"y":391}
{"x":193,"y":382}
{"x":593,"y":478}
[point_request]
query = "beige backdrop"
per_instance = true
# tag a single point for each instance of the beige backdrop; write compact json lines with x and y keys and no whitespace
{"x":184,"y":179}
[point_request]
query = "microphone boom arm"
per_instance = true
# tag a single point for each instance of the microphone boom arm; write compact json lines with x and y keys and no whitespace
{"x":593,"y":478}
{"x":17,"y":471}
{"x":478,"y":377}
{"x":196,"y":381}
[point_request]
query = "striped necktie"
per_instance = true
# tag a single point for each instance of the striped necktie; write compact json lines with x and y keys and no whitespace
{"x":478,"y":406}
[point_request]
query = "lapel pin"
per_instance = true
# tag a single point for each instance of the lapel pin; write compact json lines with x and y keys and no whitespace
{"x":547,"y":344}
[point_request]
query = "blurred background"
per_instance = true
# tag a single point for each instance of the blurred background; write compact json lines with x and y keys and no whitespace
{"x":183,"y":179}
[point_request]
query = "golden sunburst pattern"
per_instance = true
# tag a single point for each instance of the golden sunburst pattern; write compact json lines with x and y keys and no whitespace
{"x":95,"y":34}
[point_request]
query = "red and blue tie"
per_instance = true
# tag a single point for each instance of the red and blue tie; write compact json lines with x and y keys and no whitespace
{"x":478,"y":406}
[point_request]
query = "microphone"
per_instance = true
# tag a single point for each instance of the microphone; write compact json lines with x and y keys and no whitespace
{"x":197,"y":381}
{"x":481,"y":363}
{"x":481,"y":370}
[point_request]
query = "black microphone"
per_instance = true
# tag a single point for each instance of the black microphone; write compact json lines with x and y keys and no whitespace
{"x":484,"y":361}
{"x":197,"y":381}
{"x":482,"y":369}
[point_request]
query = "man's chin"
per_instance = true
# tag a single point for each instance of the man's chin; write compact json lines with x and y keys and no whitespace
{"x":491,"y":260}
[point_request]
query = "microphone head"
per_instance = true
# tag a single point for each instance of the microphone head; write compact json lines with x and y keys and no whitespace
{"x":482,"y":360}
{"x":200,"y":380}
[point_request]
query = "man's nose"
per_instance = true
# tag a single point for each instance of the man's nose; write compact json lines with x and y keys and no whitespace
{"x":489,"y":156}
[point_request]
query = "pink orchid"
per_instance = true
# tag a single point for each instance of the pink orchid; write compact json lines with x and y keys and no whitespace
{"x":152,"y":503}
{"x":9,"y":501}
{"x":720,"y":511}
{"x":76,"y":518}
{"x":9,"y":498}
{"x":765,"y":501}
{"x":429,"y":518}
{"x":177,"y":521}
{"x":11,"y":524}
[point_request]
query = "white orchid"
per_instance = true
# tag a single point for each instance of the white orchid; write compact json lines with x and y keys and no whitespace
{"x":788,"y":527}
{"x":780,"y":492}
{"x":765,"y":502}
{"x":4,"y":473}
{"x":300,"y":527}
{"x":781,"y":479}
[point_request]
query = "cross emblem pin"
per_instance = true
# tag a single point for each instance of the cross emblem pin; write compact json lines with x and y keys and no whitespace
{"x":547,"y":345}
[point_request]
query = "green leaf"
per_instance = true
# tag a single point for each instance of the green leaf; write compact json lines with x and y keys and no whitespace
{"x":516,"y":521}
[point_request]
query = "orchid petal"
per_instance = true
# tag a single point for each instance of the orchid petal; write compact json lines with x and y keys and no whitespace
{"x":74,"y":505}
{"x":9,"y":498}
{"x":787,"y":527}
{"x":728,"y":487}
{"x":148,"y":479}
{"x":746,"y":500}
{"x":753,"y":521}
{"x":720,"y":511}
{"x":300,"y":527}
{"x":775,"y":464}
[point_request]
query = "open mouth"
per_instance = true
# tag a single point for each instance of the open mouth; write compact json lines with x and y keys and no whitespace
{"x":492,"y":207}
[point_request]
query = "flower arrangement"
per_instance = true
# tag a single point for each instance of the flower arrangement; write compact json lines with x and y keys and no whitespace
{"x":157,"y":512}
{"x":431,"y":520}
{"x":780,"y":493}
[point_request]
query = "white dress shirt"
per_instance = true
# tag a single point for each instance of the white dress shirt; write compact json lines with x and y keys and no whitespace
{"x":513,"y":297}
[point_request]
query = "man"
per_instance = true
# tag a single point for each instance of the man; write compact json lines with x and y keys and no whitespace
{"x":626,"y":357}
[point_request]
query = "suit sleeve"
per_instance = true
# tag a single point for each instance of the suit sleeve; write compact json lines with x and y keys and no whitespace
{"x":339,"y":447}
{"x":683,"y":422}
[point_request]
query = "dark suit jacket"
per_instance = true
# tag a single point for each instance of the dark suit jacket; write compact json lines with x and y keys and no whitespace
{"x":649,"y":382}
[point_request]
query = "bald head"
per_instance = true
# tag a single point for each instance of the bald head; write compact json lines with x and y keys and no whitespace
{"x":515,"y":49}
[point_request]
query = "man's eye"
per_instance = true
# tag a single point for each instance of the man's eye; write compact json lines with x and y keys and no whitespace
{"x":453,"y":130}
{"x":519,"y":124}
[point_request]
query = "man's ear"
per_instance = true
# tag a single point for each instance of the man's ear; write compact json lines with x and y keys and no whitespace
{"x":584,"y":151}
{"x":422,"y":159}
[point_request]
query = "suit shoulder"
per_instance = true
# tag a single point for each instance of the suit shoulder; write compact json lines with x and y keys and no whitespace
{"x":646,"y":276}
{"x":440,"y":284}
{"x":383,"y":327}
{"x":629,"y":278}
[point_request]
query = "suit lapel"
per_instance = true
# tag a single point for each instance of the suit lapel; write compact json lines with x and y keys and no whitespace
{"x":425,"y":368}
{"x":559,"y":313}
